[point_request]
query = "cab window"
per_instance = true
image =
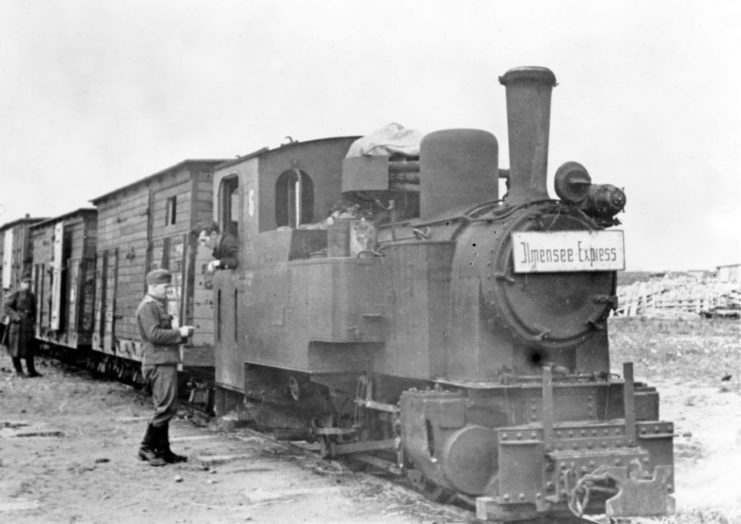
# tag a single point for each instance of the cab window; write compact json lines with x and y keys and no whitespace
{"x":294,"y":199}
{"x":229,"y":204}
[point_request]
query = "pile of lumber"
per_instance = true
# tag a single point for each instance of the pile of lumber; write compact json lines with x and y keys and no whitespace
{"x":680,"y":296}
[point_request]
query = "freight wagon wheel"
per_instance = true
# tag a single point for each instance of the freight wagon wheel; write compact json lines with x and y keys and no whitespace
{"x":429,"y":489}
{"x":294,"y":389}
{"x":327,"y":447}
{"x":332,"y":432}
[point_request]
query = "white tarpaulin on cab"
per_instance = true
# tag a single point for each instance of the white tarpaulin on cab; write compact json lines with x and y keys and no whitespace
{"x":391,"y":139}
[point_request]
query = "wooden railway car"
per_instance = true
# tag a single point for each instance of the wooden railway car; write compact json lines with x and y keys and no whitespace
{"x":16,"y":250}
{"x":64,"y":278}
{"x":466,"y":344}
{"x":143,"y":226}
{"x":16,"y":256}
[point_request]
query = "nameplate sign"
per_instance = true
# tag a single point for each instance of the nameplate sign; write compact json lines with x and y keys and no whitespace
{"x":558,"y":251}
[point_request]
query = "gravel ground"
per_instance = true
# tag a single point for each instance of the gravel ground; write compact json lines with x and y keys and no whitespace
{"x":696,"y":367}
{"x":68,"y":455}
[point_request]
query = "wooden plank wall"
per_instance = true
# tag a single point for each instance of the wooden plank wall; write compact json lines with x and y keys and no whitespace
{"x":87,"y":277}
{"x":21,"y":253}
{"x":77,"y":266}
{"x":20,"y":256}
{"x":122,"y":226}
{"x":200,"y":305}
{"x":22,"y":250}
{"x":170,"y":240}
{"x":75,"y":228}
{"x":134,"y":221}
{"x":79,"y":253}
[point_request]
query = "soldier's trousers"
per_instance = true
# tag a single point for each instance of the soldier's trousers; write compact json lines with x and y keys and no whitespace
{"x":163,"y":381}
{"x":29,"y":365}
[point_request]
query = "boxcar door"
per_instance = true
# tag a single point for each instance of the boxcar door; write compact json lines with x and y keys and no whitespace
{"x":56,"y":280}
{"x":109,"y":302}
{"x":101,"y":271}
{"x":41,"y":305}
{"x":73,"y":293}
{"x":86,"y":301}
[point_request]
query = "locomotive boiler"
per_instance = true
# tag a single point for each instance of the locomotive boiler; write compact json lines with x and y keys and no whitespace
{"x":436,"y":328}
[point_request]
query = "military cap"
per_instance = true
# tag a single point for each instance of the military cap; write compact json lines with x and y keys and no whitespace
{"x":159,"y":276}
{"x":26,"y":277}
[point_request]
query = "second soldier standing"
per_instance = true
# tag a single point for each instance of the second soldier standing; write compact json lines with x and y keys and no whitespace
{"x":160,"y":357}
{"x":20,"y":309}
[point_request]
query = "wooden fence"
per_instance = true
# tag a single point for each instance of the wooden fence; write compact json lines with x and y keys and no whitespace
{"x":677,"y":297}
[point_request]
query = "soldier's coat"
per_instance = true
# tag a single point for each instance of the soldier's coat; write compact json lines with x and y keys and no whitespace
{"x":20,"y":308}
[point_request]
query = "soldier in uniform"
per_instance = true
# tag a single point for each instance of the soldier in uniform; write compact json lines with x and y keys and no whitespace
{"x":20,"y":310}
{"x":224,"y":245}
{"x":161,"y":354}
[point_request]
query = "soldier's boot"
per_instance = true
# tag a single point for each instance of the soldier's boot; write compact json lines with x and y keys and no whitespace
{"x":164,"y":447}
{"x":148,"y":449}
{"x":31,"y":368}
{"x":18,"y":368}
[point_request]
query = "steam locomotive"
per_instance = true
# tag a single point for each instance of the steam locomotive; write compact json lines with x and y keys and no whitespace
{"x":431,"y":326}
{"x":465,"y":344}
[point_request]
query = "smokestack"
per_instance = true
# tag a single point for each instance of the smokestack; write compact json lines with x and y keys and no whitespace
{"x":528,"y":120}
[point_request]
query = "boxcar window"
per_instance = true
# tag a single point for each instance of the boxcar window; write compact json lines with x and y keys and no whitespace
{"x":294,"y":199}
{"x":171,"y":211}
{"x":229,"y":202}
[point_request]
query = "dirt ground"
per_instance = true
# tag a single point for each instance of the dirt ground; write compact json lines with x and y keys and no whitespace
{"x":696,"y":367}
{"x":68,"y":455}
{"x":68,"y":449}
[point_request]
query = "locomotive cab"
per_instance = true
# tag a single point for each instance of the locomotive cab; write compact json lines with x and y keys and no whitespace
{"x":294,"y":301}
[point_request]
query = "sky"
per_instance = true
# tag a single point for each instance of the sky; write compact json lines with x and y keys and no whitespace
{"x":96,"y":95}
